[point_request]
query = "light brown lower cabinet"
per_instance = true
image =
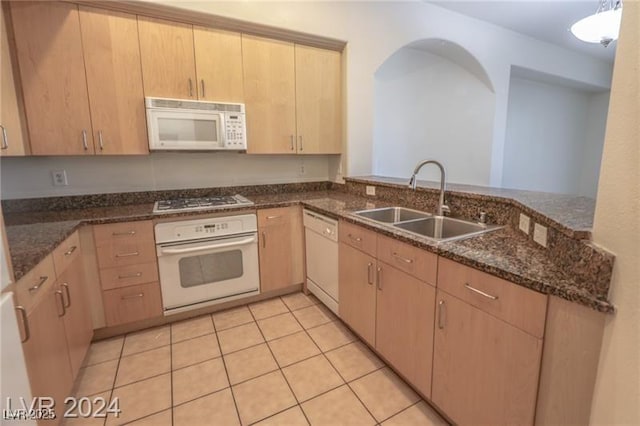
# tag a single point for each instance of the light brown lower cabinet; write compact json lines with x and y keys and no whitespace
{"x":485,"y":371}
{"x":46,"y":352}
{"x":77,"y":317}
{"x":133,"y":303}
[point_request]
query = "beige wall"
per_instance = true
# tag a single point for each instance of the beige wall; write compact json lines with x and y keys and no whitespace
{"x":616,"y":399}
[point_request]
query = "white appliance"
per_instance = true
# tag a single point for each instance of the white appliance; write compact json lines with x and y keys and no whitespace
{"x":321,"y":239}
{"x":207,"y":261}
{"x":178,"y":125}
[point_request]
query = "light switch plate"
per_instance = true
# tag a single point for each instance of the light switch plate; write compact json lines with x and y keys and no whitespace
{"x":540,"y":234}
{"x":371,"y":190}
{"x":524,"y":223}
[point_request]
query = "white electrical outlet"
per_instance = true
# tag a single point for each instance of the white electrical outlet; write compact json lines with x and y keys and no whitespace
{"x":540,"y":234}
{"x":371,"y":190}
{"x":524,"y":223}
{"x":59,"y":177}
{"x":301,"y":170}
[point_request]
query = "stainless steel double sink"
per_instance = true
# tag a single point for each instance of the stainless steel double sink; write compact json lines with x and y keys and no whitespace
{"x":438,"y":228}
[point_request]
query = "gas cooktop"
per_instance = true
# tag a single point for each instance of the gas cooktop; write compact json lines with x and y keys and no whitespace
{"x":204,"y":203}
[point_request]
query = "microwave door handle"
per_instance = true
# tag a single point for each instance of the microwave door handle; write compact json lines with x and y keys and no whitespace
{"x":208,"y":247}
{"x":222,"y":131}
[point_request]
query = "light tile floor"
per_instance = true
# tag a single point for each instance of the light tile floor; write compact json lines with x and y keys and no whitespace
{"x":283,"y":361}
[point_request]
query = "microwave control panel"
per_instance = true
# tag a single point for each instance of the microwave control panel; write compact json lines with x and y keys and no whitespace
{"x":235,"y":127}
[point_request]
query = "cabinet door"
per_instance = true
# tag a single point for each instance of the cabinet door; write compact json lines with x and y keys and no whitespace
{"x":318,"y":100}
{"x":270,"y":95}
{"x":403,"y":299}
{"x":485,"y":371}
{"x":168,"y":64}
{"x":52,"y":72}
{"x":218,"y":65}
{"x":114,"y":79}
{"x":281,"y":248}
{"x":77,"y":319}
{"x":357,"y":291}
{"x":13,"y":136}
{"x":45,"y":351}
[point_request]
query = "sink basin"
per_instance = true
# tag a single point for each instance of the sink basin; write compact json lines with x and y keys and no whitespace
{"x":392,"y":214}
{"x":443,"y":228}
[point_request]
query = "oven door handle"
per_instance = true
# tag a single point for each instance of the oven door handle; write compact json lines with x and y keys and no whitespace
{"x":209,"y":247}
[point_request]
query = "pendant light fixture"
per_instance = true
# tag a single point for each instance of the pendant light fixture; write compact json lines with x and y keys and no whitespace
{"x":603,"y":26}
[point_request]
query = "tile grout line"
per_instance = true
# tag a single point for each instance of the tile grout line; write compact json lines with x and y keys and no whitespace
{"x":226,"y":371}
{"x":171,"y":370}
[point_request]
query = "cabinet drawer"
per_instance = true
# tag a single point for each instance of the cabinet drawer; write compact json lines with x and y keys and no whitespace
{"x":125,"y":276}
{"x":358,"y":237}
{"x":126,"y":253}
{"x":66,"y":253}
{"x":129,"y":304}
{"x":272,"y":217}
{"x":414,"y":261}
{"x":35,"y":283}
{"x":125,"y":232}
{"x":516,"y":305}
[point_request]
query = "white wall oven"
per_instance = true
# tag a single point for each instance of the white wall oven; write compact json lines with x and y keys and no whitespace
{"x":207,"y":261}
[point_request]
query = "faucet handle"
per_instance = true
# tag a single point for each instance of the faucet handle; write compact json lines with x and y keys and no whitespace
{"x":445,"y":209}
{"x":482,"y":217}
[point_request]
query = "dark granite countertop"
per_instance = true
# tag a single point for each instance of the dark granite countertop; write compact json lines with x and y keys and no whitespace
{"x":504,"y":253}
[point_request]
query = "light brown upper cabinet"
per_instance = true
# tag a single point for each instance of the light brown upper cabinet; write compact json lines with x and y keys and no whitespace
{"x":269,"y":95}
{"x":50,"y":57}
{"x":168,"y":62}
{"x":114,"y":80}
{"x":218,"y":65}
{"x":13,"y":130}
{"x":318,"y":100}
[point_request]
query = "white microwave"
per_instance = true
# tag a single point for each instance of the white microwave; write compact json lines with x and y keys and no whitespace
{"x":183,"y":125}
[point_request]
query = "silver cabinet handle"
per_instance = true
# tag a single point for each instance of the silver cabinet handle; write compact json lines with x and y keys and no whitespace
{"x":65,"y":287}
{"x":273,"y":217}
{"x":356,"y":239}
{"x":36,"y":287}
{"x":133,"y":253}
{"x":404,"y":259}
{"x":61,"y":298}
{"x":84,"y":140}
{"x":379,"y":277}
{"x":301,"y":146}
{"x":5,"y":140}
{"x":119,"y":234}
{"x":264,"y":240}
{"x":70,"y":251}
{"x":190,"y":88}
{"x":25,"y":323}
{"x":480,"y":292}
{"x":132,"y":296}
{"x":202,"y":85}
{"x":100,"y":141}
{"x":136,"y":275}
{"x":370,"y":273}
{"x":293,"y":148}
{"x":441,"y":315}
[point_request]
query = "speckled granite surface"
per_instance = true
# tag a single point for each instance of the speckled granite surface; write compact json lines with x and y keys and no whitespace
{"x":505,"y":253}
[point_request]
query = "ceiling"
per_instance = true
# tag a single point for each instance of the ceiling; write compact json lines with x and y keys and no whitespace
{"x":547,"y":20}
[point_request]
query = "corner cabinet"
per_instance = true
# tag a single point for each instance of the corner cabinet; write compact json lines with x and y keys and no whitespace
{"x":293,"y":97}
{"x":281,"y":248}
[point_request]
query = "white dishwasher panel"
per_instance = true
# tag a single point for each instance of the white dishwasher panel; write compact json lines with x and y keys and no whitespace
{"x":321,"y":239}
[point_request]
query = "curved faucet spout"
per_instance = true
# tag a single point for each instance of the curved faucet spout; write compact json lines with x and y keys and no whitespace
{"x":442,"y":207}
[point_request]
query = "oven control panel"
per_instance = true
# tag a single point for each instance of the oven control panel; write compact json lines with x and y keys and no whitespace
{"x":205,"y":228}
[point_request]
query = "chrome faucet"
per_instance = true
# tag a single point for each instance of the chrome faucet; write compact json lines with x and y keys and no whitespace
{"x":442,"y":207}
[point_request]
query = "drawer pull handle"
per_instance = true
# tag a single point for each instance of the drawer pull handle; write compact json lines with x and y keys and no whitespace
{"x":133,"y":253}
{"x":70,"y":251}
{"x":65,"y":286}
{"x":441,"y":315}
{"x":61,"y":298}
{"x":379,"y":277}
{"x":273,"y":217}
{"x":132,"y":296}
{"x":136,"y":275}
{"x":404,"y":259}
{"x":37,"y":286}
{"x":5,"y":142}
{"x":119,"y":234}
{"x":370,"y":273}
{"x":356,"y":239}
{"x":25,"y":323}
{"x":480,"y":292}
